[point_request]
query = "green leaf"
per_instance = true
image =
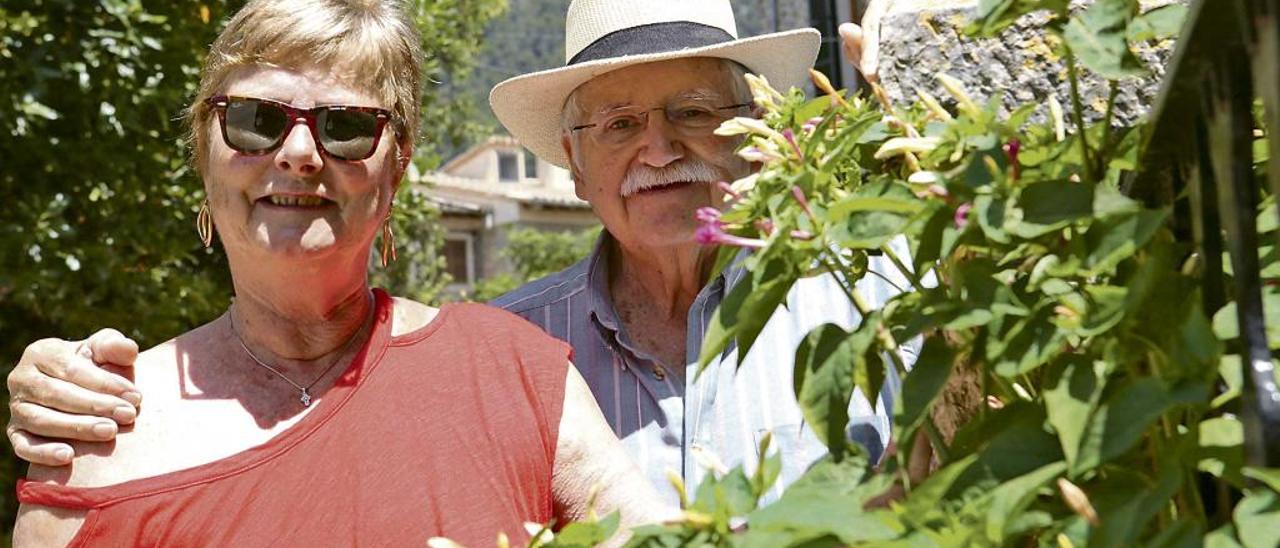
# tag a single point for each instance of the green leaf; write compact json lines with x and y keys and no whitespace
{"x":1013,"y":496}
{"x":926,"y":497}
{"x":587,"y":533}
{"x":929,"y":246}
{"x":1009,"y":442}
{"x":1268,"y":476}
{"x":1257,"y":519}
{"x":1054,"y":202}
{"x":1017,"y":345}
{"x":745,"y":310}
{"x":1222,"y":537}
{"x":818,"y":513}
{"x":1070,"y":398}
{"x":1119,"y":423}
{"x":1225,"y":321}
{"x":725,"y":497}
{"x":1113,"y":241}
{"x":1161,"y":22}
{"x":1231,"y":372}
{"x":872,"y":215}
{"x":1107,"y":307}
{"x":1098,"y":38}
{"x":1129,"y":499}
{"x":921,"y":387}
{"x":1221,"y":450}
{"x":993,"y":16}
{"x":1183,"y":534}
{"x":829,"y":363}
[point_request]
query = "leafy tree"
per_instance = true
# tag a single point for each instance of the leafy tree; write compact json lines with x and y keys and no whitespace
{"x":97,"y":226}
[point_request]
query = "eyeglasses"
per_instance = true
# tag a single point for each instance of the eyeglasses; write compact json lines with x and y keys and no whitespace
{"x":259,"y":126}
{"x":689,"y":117}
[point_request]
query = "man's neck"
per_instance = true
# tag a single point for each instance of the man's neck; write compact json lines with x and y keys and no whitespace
{"x":667,"y":278}
{"x":652,"y":291}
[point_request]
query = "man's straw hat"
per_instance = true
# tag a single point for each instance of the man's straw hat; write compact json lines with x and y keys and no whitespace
{"x":605,"y":35}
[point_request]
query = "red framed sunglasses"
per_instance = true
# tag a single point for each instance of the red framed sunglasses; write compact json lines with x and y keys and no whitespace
{"x":258,"y":126}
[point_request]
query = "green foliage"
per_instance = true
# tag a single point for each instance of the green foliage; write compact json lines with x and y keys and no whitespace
{"x":98,"y":226}
{"x":418,"y":272}
{"x":1029,"y":266}
{"x":534,"y":254}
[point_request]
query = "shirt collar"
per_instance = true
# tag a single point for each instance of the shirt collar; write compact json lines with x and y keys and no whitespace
{"x":601,"y":306}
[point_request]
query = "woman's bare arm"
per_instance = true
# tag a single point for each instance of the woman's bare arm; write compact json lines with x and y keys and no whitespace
{"x":590,"y":458}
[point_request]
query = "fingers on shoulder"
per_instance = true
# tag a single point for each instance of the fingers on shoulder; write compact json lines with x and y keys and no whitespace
{"x":111,"y":346}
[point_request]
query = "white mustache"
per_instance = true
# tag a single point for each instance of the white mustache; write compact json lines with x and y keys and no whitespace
{"x":646,"y":177}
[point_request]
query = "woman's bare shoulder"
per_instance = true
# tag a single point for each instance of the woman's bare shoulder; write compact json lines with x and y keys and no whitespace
{"x":45,"y":526}
{"x":410,"y":315}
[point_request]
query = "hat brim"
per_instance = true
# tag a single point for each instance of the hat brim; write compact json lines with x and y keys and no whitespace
{"x":530,"y":105}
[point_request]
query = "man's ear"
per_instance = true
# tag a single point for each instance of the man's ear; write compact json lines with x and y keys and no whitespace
{"x":567,"y":144}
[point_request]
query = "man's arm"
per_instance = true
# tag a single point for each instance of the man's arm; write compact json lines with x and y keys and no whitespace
{"x":590,"y":458}
{"x":59,"y":391}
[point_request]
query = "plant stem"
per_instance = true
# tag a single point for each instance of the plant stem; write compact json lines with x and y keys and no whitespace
{"x":902,"y":267}
{"x":1077,"y":106}
{"x":939,"y":445}
{"x":1105,"y":144}
{"x":882,"y":335}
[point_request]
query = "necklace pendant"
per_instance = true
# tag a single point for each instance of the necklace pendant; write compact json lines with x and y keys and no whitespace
{"x":305,"y":399}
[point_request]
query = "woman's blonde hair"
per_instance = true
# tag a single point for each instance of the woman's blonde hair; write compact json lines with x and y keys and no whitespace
{"x":375,"y":43}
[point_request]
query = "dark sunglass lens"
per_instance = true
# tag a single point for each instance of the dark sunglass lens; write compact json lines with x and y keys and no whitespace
{"x":347,"y":134}
{"x":254,"y":126}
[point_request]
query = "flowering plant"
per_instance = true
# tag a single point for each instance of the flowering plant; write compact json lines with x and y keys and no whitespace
{"x":1101,"y":394}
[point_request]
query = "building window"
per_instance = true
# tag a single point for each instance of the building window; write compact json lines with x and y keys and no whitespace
{"x":459,"y":258}
{"x":824,"y":15}
{"x":530,"y":165}
{"x":508,"y":167}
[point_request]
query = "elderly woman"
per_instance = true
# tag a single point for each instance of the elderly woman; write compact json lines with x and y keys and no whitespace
{"x":317,"y":411}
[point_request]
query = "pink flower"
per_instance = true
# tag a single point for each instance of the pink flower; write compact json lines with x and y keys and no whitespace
{"x":962,"y":215}
{"x":802,"y":235}
{"x":711,"y":231}
{"x":728,"y":189}
{"x":1011,"y":152}
{"x":707,"y":215}
{"x":804,"y":202}
{"x":791,"y":140}
{"x":811,"y":124}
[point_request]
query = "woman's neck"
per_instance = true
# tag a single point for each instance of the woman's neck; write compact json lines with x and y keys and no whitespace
{"x":299,"y":313}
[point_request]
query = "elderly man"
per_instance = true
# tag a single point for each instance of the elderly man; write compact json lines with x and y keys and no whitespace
{"x":632,"y":115}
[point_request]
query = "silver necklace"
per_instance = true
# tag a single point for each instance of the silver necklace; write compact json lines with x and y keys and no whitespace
{"x":304,"y":396}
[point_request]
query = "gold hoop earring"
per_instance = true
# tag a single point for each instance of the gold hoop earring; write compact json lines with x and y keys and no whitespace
{"x":204,"y":224}
{"x":387,"y":251}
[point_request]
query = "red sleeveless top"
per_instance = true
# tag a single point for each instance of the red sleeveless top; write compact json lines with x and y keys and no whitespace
{"x":446,"y":431}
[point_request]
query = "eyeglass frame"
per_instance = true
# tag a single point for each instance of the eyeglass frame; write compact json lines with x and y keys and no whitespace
{"x":219,"y":104}
{"x":645,"y":115}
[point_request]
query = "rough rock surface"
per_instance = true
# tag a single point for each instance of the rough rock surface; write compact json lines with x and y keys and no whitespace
{"x":921,"y":38}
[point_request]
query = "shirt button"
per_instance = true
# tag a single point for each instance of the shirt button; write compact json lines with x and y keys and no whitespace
{"x":658,"y":373}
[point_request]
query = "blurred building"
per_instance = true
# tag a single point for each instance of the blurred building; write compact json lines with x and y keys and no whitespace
{"x":490,"y":188}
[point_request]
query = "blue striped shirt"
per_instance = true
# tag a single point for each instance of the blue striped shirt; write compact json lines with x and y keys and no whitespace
{"x":672,"y":421}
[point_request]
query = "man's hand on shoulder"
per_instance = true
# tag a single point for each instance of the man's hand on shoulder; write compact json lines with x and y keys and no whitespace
{"x":59,"y":391}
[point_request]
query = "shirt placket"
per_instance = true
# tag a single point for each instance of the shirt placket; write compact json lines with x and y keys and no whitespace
{"x":701,"y":389}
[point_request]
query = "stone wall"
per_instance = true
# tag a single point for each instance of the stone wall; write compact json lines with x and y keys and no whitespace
{"x":921,"y":38}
